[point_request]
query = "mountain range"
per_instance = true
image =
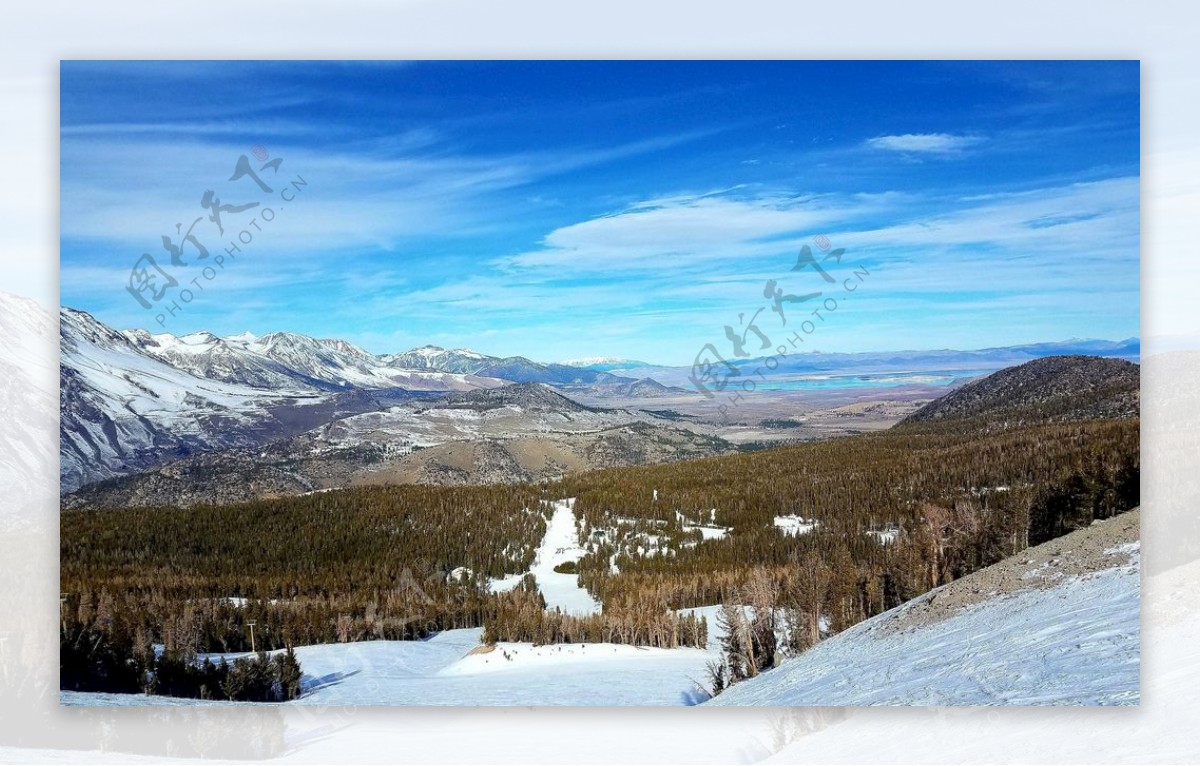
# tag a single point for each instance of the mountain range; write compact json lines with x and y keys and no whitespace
{"x":519,"y":432}
{"x":977,"y":361}
{"x":132,"y":400}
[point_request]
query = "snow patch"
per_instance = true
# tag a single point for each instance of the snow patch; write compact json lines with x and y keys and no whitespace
{"x":794,"y":526}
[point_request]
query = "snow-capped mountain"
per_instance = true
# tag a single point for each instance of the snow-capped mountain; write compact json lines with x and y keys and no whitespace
{"x":339,"y":363}
{"x":289,"y":361}
{"x":123,"y":409}
{"x":459,"y":360}
{"x":207,"y":356}
{"x":133,"y":399}
{"x":516,"y":369}
{"x":605,"y":363}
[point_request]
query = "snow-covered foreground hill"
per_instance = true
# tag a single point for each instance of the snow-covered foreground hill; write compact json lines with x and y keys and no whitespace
{"x":1055,"y":625}
{"x":449,"y":669}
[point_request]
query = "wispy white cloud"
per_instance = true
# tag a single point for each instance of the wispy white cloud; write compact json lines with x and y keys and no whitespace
{"x":1082,"y":220}
{"x":707,"y":247}
{"x":131,"y":188}
{"x":924,"y":143}
{"x":688,"y":230}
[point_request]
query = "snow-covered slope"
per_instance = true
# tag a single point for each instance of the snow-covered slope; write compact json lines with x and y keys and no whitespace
{"x":122,"y":409}
{"x":133,"y":400}
{"x":231,"y":361}
{"x":27,"y":409}
{"x":1057,"y":624}
{"x":559,"y":545}
{"x":284,"y":360}
{"x":459,"y":360}
{"x":452,"y":668}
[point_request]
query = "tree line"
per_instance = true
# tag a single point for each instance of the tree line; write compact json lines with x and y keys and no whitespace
{"x":521,"y":615}
{"x":93,"y":659}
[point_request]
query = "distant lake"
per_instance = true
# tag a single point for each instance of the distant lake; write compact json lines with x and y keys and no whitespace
{"x":823,"y":381}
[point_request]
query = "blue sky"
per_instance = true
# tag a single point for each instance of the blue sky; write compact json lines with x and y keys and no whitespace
{"x":564,"y":209}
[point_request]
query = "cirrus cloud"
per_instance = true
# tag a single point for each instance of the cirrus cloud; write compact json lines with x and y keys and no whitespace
{"x":924,"y":143}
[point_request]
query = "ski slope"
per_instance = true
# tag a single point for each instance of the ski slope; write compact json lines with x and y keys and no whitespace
{"x":451,"y":668}
{"x":561,"y":544}
{"x":1044,"y":637}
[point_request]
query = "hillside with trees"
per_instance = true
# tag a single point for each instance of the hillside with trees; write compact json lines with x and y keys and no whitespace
{"x":816,"y":537}
{"x":1059,"y":388}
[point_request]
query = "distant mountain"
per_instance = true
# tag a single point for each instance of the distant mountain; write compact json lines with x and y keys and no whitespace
{"x":516,"y":369}
{"x":1053,"y":388}
{"x":284,"y":360}
{"x":536,"y":397}
{"x":289,"y":361}
{"x":521,"y":370}
{"x":605,"y":363}
{"x":122,"y":409}
{"x":949,"y":359}
{"x":522,"y":432}
{"x":132,"y":400}
{"x":205,"y":355}
{"x":461,"y":360}
{"x":1128,"y":348}
{"x":968,"y":362}
{"x":643,"y":388}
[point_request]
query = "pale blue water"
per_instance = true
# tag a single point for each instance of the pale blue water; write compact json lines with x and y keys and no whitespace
{"x":821,"y":381}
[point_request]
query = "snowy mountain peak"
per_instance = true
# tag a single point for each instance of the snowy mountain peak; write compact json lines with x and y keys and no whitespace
{"x":280,"y":340}
{"x":75,"y":325}
{"x":201,"y":338}
{"x":429,"y":357}
{"x":604,"y":362}
{"x":347,"y":348}
{"x":130,"y":398}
